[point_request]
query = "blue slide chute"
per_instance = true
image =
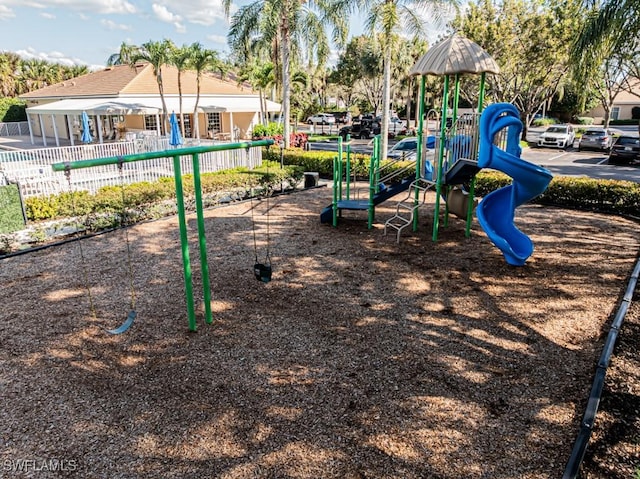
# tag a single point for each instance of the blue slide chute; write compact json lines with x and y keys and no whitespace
{"x":496,"y":211}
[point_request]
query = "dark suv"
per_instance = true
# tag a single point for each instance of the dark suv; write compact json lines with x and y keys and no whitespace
{"x":362,"y":129}
{"x":625,"y":150}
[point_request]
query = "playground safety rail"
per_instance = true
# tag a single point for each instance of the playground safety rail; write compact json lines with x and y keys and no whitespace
{"x":195,"y":152}
{"x":588,"y":420}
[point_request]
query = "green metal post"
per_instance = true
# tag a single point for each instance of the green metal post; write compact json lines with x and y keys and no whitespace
{"x":377,"y":153}
{"x":472,"y":187}
{"x":175,"y":154}
{"x":184,"y":242}
{"x":456,"y":96}
{"x":202,"y":240}
{"x":373,"y":188}
{"x":443,"y":137}
{"x":336,"y":180}
{"x":481,"y":93}
{"x":348,"y":149}
{"x":456,"y":99}
{"x":114,"y":160}
{"x":420,"y":160}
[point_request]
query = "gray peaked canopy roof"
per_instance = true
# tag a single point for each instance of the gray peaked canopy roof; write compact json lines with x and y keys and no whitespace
{"x":454,"y":55}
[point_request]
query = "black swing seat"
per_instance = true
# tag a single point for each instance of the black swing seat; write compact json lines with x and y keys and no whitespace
{"x":126,"y":325}
{"x":262,"y":272}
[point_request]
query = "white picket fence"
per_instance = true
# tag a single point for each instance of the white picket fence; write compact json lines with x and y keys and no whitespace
{"x":31,"y":169}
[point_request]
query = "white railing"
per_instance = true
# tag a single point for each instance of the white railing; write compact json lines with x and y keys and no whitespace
{"x":31,"y":169}
{"x":14,"y":128}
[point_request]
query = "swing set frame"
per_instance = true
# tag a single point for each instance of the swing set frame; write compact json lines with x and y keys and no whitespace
{"x":194,"y":152}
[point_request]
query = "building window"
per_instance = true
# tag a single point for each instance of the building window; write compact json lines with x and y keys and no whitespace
{"x":186,"y":119}
{"x":214,"y":122}
{"x":150,"y":122}
{"x":615,"y":113}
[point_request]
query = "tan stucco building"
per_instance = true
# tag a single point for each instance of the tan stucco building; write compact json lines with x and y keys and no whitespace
{"x":621,"y":107}
{"x":123,"y":101}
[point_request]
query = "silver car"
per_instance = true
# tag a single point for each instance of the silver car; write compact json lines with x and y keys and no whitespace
{"x":596,"y":139}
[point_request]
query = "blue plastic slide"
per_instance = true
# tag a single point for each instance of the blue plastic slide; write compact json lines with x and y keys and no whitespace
{"x":496,"y":211}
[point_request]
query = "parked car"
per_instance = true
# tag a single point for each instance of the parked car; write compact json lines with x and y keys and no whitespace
{"x":363,"y":129}
{"x":396,"y":125}
{"x":596,"y":139}
{"x":557,"y":136}
{"x":322,"y":118}
{"x":343,"y":117}
{"x":405,"y":149}
{"x":625,"y":150}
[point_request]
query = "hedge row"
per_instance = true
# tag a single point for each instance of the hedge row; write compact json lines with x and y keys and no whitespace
{"x":608,"y":196}
{"x":150,"y":200}
{"x":141,"y":199}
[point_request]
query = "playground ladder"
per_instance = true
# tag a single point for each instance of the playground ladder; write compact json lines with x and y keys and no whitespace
{"x":406,"y":209}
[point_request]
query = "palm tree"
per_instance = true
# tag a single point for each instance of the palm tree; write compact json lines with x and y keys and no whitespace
{"x":123,"y":57}
{"x":611,"y":29}
{"x":9,"y":69}
{"x":201,"y":59}
{"x":261,"y":76}
{"x":157,"y":54}
{"x":289,"y":25}
{"x":390,"y":18}
{"x":180,"y":58}
{"x":614,"y":19}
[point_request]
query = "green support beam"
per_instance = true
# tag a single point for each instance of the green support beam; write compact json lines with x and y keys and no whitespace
{"x":182,"y":221}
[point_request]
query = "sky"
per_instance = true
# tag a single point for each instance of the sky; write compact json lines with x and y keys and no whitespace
{"x":87,"y":32}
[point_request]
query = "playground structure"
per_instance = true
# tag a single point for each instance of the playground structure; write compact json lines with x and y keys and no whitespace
{"x":176,"y":155}
{"x":448,"y":163}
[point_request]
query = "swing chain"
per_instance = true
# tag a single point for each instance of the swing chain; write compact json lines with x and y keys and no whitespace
{"x":83,"y":261}
{"x":123,"y":215}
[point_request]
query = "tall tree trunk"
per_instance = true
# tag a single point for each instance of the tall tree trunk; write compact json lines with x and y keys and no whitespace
{"x":409,"y":98}
{"x":163,"y":128}
{"x":262,"y":104}
{"x":286,"y":89}
{"x":386,"y":98}
{"x":180,"y":102}
{"x":196,"y":130}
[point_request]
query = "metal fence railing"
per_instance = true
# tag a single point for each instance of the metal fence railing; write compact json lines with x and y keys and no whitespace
{"x":14,"y":128}
{"x":31,"y":169}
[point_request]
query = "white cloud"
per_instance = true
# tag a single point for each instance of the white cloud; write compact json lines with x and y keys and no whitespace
{"x":53,"y":57}
{"x":164,"y":15}
{"x":6,"y":13}
{"x":217,"y":39}
{"x":110,"y":25}
{"x":200,"y":12}
{"x":48,"y":15}
{"x":94,"y":6}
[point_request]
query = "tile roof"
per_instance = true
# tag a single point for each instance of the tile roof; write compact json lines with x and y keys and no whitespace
{"x":139,"y":80}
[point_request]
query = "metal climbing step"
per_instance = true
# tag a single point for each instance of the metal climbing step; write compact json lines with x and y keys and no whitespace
{"x":406,"y":209}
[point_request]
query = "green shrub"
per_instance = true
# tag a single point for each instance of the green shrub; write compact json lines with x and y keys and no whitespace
{"x":545,"y":121}
{"x":607,"y":196}
{"x":11,"y":218}
{"x":271,"y":129}
{"x":13,"y":109}
{"x":585,"y":120}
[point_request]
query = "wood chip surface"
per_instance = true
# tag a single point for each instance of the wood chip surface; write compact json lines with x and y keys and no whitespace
{"x":362,"y":358}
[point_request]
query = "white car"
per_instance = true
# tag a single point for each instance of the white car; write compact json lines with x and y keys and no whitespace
{"x":322,"y":118}
{"x":557,"y":136}
{"x":405,"y":149}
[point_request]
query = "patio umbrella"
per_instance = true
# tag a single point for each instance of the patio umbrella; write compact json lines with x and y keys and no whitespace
{"x":175,"y":138}
{"x":86,"y":134}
